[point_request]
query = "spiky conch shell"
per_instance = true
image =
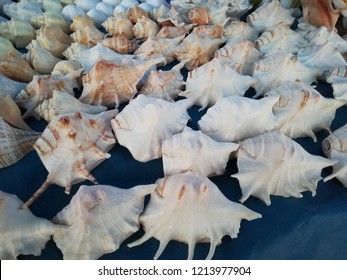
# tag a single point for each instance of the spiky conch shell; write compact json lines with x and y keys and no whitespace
{"x":335,"y":147}
{"x":119,"y":43}
{"x":87,"y":35}
{"x":50,"y":43}
{"x":191,"y":150}
{"x":274,"y":164}
{"x":136,"y":13}
{"x":301,"y":110}
{"x":111,"y":83}
{"x":65,"y":67}
{"x":15,"y":143}
{"x":152,"y":120}
{"x":98,"y":219}
{"x":240,"y":30}
{"x":173,"y":31}
{"x":22,"y":233}
{"x":118,"y":24}
{"x":86,"y":137}
{"x":81,"y":20}
{"x":73,"y":50}
{"x":145,"y":28}
{"x":198,"y":212}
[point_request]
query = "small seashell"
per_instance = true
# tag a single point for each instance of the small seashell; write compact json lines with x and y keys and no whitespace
{"x":10,"y":112}
{"x":65,"y":67}
{"x":42,"y":87}
{"x":62,"y":103}
{"x":110,"y":83}
{"x":17,"y":68}
{"x":97,"y":16}
{"x":19,"y":32}
{"x":119,"y":43}
{"x":274,"y":164}
{"x":158,"y":12}
{"x":5,"y":47}
{"x":50,"y":44}
{"x":240,"y":30}
{"x":135,"y":13}
{"x":70,"y":11}
{"x":86,"y":5}
{"x":10,"y":87}
{"x":334,"y":147}
{"x":15,"y":143}
{"x":87,"y":35}
{"x":145,"y":28}
{"x":22,"y":233}
{"x":80,"y":21}
{"x":152,"y":120}
{"x":86,"y":137}
{"x":46,"y":18}
{"x":191,"y":150}
{"x":98,"y":219}
{"x":54,"y":31}
{"x":73,"y":50}
{"x":198,"y":212}
{"x":22,"y":10}
{"x":173,"y":31}
{"x":298,"y":107}
{"x":216,"y":79}
{"x":236,"y":118}
{"x":119,"y":24}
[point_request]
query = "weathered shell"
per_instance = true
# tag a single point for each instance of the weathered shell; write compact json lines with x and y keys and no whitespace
{"x":216,"y":79}
{"x":274,"y":164}
{"x":145,"y":28}
{"x":86,"y":137}
{"x":5,"y":47}
{"x":119,"y":24}
{"x":70,"y":11}
{"x":164,"y":84}
{"x":41,"y":60}
{"x":22,"y":233}
{"x":46,"y":18}
{"x":98,"y":219}
{"x":337,"y":77}
{"x":22,"y":10}
{"x":270,"y":14}
{"x":54,"y":31}
{"x":73,"y":50}
{"x":111,"y":83}
{"x":152,"y":120}
{"x":334,"y":147}
{"x":302,"y":110}
{"x":159,"y":12}
{"x":241,"y":56}
{"x":15,"y":143}
{"x":173,"y":31}
{"x":81,"y":20}
{"x":280,"y":38}
{"x":19,"y":32}
{"x":87,"y":35}
{"x":62,"y":103}
{"x":50,"y":43}
{"x":65,"y":67}
{"x":198,"y":212}
{"x":10,"y":87}
{"x":136,"y":13}
{"x":10,"y":112}
{"x":191,"y":150}
{"x":42,"y":87}
{"x":17,"y":68}
{"x":236,"y":118}
{"x":211,"y":13}
{"x":119,"y":43}
{"x":240,"y":30}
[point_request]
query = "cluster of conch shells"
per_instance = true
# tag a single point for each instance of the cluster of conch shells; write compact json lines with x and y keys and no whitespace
{"x":112,"y":72}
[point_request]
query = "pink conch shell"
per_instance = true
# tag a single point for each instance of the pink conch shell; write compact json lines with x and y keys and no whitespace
{"x":236,"y":118}
{"x":22,"y":233}
{"x":98,"y":219}
{"x":335,"y":148}
{"x":15,"y":143}
{"x":152,"y":120}
{"x":86,"y":137}
{"x":197,"y":211}
{"x":191,"y":150}
{"x":112,"y":83}
{"x":274,"y":164}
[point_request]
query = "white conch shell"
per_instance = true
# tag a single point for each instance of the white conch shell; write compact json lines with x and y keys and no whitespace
{"x":158,"y":12}
{"x":119,"y":43}
{"x":65,"y":67}
{"x":54,"y":32}
{"x":302,"y":110}
{"x":173,"y":31}
{"x":189,"y":208}
{"x":274,"y":164}
{"x":98,"y":17}
{"x":22,"y":10}
{"x":86,"y":5}
{"x":173,"y":17}
{"x":191,"y":150}
{"x":216,"y":79}
{"x":63,"y":102}
{"x":111,"y":83}
{"x":145,"y":28}
{"x":280,"y":38}
{"x":51,"y":5}
{"x":241,"y":55}
{"x":22,"y":233}
{"x":19,"y":32}
{"x":104,"y":8}
{"x":118,"y":24}
{"x":10,"y":87}
{"x":86,"y":137}
{"x":15,"y":143}
{"x":74,"y":50}
{"x":240,"y":30}
{"x":164,"y":84}
{"x":236,"y":8}
{"x":70,"y":11}
{"x":136,"y":13}
{"x":152,"y":120}
{"x":87,"y":35}
{"x":7,"y":46}
{"x":46,"y":18}
{"x":270,"y":14}
{"x":236,"y":118}
{"x":82,"y":20}
{"x":335,"y":148}
{"x":41,"y":88}
{"x":98,"y":219}
{"x":337,"y":77}
{"x":10,"y":112}
{"x":210,"y":13}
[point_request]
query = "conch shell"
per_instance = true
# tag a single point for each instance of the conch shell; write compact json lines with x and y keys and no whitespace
{"x":86,"y":137}
{"x":118,"y":24}
{"x":98,"y":219}
{"x":10,"y":87}
{"x":15,"y":143}
{"x":191,"y":150}
{"x":119,"y":43}
{"x":46,"y":18}
{"x":198,"y":212}
{"x":65,"y":67}
{"x":19,"y":32}
{"x":274,"y":164}
{"x":87,"y":35}
{"x":74,"y":50}
{"x":22,"y":233}
{"x":7,"y":46}
{"x":240,"y":30}
{"x":337,"y":77}
{"x":152,"y":120}
{"x":145,"y":28}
